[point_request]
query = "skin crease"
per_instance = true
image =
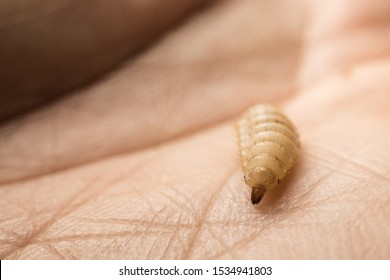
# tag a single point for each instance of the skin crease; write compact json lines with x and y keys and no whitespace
{"x":142,"y":163}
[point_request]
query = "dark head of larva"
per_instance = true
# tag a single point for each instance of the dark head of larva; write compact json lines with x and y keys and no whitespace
{"x":260,"y":179}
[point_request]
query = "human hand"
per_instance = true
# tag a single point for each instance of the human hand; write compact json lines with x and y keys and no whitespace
{"x":142,"y":164}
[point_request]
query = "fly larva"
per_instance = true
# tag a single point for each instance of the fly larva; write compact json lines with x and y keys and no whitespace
{"x":269,"y":146}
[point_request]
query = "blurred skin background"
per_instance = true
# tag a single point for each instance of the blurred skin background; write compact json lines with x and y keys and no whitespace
{"x":116,"y":137}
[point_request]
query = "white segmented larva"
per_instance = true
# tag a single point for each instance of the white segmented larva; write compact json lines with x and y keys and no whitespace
{"x":268,"y":145}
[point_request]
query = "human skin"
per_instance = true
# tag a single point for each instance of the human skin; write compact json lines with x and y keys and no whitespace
{"x":142,"y":162}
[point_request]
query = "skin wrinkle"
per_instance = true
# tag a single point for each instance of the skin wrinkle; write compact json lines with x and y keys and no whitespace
{"x":63,"y":211}
{"x":61,"y":239}
{"x":164,"y":184}
{"x":224,"y":246}
{"x":200,"y":226}
{"x":142,"y":223}
{"x":232,"y":194}
{"x":357,"y":164}
{"x":36,"y":232}
{"x":238,"y":244}
{"x":31,"y":216}
{"x":50,"y":248}
{"x":311,"y":188}
{"x":157,"y":241}
{"x":320,"y":181}
{"x":253,"y":238}
{"x":103,"y":236}
{"x":212,"y":223}
{"x":173,"y":236}
{"x":186,"y":207}
{"x":330,"y":167}
{"x":134,"y":222}
{"x":361,"y":168}
{"x":265,"y":224}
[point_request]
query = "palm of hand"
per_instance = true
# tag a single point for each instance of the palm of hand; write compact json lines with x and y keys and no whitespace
{"x":146,"y":162}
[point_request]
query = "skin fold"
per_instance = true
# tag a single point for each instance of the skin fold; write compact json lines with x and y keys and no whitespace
{"x":138,"y":158}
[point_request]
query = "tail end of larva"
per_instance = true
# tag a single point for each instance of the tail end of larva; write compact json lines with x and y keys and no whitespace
{"x":257,"y":194}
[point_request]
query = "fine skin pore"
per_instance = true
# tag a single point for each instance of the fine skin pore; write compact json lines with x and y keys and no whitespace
{"x":138,"y":160}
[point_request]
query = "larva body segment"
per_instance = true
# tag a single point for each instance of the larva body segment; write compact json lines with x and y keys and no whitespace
{"x":268,"y":145}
